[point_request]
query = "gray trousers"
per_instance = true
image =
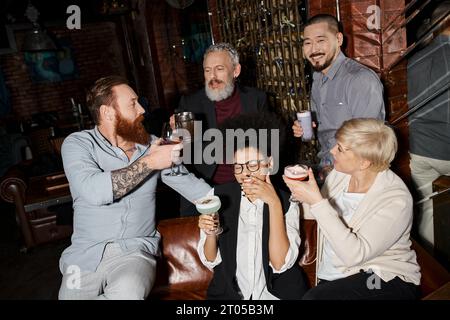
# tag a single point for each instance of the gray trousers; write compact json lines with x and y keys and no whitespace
{"x":423,"y":172}
{"x":119,"y":276}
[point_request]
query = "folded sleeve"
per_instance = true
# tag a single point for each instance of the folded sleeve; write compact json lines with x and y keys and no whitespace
{"x":201,"y":253}
{"x":292,"y":220}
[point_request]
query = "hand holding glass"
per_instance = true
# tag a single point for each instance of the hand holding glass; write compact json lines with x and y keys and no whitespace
{"x":304,"y":117}
{"x":185,"y":120}
{"x":210,"y":205}
{"x":170,"y":136}
{"x":297,"y":172}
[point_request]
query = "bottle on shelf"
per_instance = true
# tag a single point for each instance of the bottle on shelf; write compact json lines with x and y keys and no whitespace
{"x":76,"y":113}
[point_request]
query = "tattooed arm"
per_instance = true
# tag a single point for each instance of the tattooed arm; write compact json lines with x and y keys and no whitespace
{"x":126,"y":179}
{"x":94,"y":186}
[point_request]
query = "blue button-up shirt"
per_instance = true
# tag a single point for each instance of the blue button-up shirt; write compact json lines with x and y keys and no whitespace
{"x":348,"y":90}
{"x":88,"y":159}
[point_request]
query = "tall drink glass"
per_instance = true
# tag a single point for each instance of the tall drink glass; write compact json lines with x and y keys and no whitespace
{"x":304,"y":117}
{"x":170,"y":136}
{"x":186,"y":121}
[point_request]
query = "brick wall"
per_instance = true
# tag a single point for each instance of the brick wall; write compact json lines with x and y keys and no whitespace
{"x":322,"y":6}
{"x":97,"y":53}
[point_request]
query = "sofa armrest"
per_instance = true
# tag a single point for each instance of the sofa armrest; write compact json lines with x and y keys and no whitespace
{"x":434,"y":275}
{"x":180,"y":273}
{"x":13,"y":184}
{"x":12,"y":189}
{"x":443,"y":293}
{"x":308,"y":249}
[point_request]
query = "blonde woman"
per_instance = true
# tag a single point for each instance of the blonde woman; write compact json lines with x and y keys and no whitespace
{"x":364,"y":215}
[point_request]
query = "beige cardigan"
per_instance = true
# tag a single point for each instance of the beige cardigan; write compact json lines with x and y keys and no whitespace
{"x":378,"y":235}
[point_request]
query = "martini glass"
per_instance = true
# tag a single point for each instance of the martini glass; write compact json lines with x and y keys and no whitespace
{"x":210,"y":205}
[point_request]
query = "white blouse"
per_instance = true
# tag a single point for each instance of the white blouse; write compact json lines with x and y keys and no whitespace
{"x":346,"y":204}
{"x":249,"y":271}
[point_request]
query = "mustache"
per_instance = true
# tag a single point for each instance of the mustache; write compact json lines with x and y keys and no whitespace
{"x":140,"y":119}
{"x":316,"y":55}
{"x":212,"y":81}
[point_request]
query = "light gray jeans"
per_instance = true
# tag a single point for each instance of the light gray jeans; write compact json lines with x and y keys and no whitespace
{"x":119,"y":276}
{"x":423,"y":172}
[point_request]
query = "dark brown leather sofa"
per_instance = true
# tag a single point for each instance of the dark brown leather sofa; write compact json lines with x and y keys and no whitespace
{"x":181,"y":275}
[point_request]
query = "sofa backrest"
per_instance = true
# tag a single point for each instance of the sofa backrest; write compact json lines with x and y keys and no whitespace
{"x":434,"y":275}
{"x":180,"y":267}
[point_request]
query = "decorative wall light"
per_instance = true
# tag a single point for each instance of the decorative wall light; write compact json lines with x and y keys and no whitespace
{"x":115,"y":7}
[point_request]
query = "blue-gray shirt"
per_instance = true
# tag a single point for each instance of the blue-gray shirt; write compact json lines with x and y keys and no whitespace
{"x":348,"y":90}
{"x":428,"y":74}
{"x":88,"y":159}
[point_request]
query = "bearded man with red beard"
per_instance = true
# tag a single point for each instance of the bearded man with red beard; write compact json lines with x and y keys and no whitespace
{"x":221,"y":99}
{"x":342,"y":88}
{"x":112,"y":171}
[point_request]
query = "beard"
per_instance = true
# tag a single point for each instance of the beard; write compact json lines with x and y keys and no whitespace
{"x":219,"y":94}
{"x":319,"y":67}
{"x":133,"y":131}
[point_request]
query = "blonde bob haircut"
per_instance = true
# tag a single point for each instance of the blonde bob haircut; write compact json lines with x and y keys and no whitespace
{"x":369,"y":139}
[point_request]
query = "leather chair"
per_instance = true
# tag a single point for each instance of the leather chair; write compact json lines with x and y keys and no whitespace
{"x":37,"y":202}
{"x":182,"y":276}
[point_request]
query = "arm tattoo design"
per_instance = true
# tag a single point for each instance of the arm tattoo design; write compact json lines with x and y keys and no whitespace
{"x":126,"y":179}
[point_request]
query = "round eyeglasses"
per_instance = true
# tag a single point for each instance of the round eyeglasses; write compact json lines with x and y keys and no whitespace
{"x":252,"y":165}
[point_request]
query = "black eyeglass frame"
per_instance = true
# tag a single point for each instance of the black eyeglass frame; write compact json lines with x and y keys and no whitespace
{"x":252,"y":166}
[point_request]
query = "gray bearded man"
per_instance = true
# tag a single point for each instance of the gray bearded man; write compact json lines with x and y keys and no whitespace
{"x":219,"y":100}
